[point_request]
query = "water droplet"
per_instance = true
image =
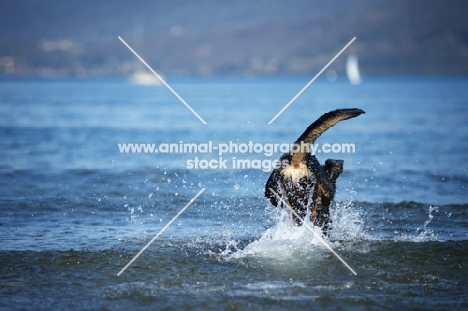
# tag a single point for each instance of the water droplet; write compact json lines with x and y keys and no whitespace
{"x":236,"y":185}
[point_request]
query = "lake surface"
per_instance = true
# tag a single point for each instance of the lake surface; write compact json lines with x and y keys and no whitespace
{"x":75,"y":210}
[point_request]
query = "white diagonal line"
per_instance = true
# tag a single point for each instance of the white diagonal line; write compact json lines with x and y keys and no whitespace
{"x":162,"y":80}
{"x":310,"y":82}
{"x":160,"y":232}
{"x":316,"y":235}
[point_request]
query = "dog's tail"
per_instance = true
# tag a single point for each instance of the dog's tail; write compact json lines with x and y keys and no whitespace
{"x":322,"y":124}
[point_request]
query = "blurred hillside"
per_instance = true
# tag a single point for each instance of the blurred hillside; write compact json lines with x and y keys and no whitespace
{"x":79,"y":38}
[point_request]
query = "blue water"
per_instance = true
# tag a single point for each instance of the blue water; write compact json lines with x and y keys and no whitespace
{"x":75,"y":210}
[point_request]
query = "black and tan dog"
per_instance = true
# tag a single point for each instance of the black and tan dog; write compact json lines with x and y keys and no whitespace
{"x":303,"y":182}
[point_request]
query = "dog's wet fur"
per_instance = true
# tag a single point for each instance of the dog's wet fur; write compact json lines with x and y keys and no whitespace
{"x":305,"y":184}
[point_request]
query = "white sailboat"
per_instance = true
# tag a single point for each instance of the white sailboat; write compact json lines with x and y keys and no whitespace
{"x":144,"y":77}
{"x":141,"y":75}
{"x":352,"y":70}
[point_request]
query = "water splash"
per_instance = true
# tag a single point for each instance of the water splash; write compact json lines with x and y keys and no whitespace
{"x":348,"y":222}
{"x":421,"y":233}
{"x":282,"y":241}
{"x":285,"y":242}
{"x":427,"y":234}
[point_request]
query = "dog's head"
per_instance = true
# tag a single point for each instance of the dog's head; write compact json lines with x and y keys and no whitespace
{"x":333,"y":168}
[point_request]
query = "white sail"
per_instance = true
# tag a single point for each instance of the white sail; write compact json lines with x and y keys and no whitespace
{"x":352,"y":70}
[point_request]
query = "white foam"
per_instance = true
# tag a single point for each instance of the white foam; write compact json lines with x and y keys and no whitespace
{"x":283,"y":241}
{"x":286,"y":242}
